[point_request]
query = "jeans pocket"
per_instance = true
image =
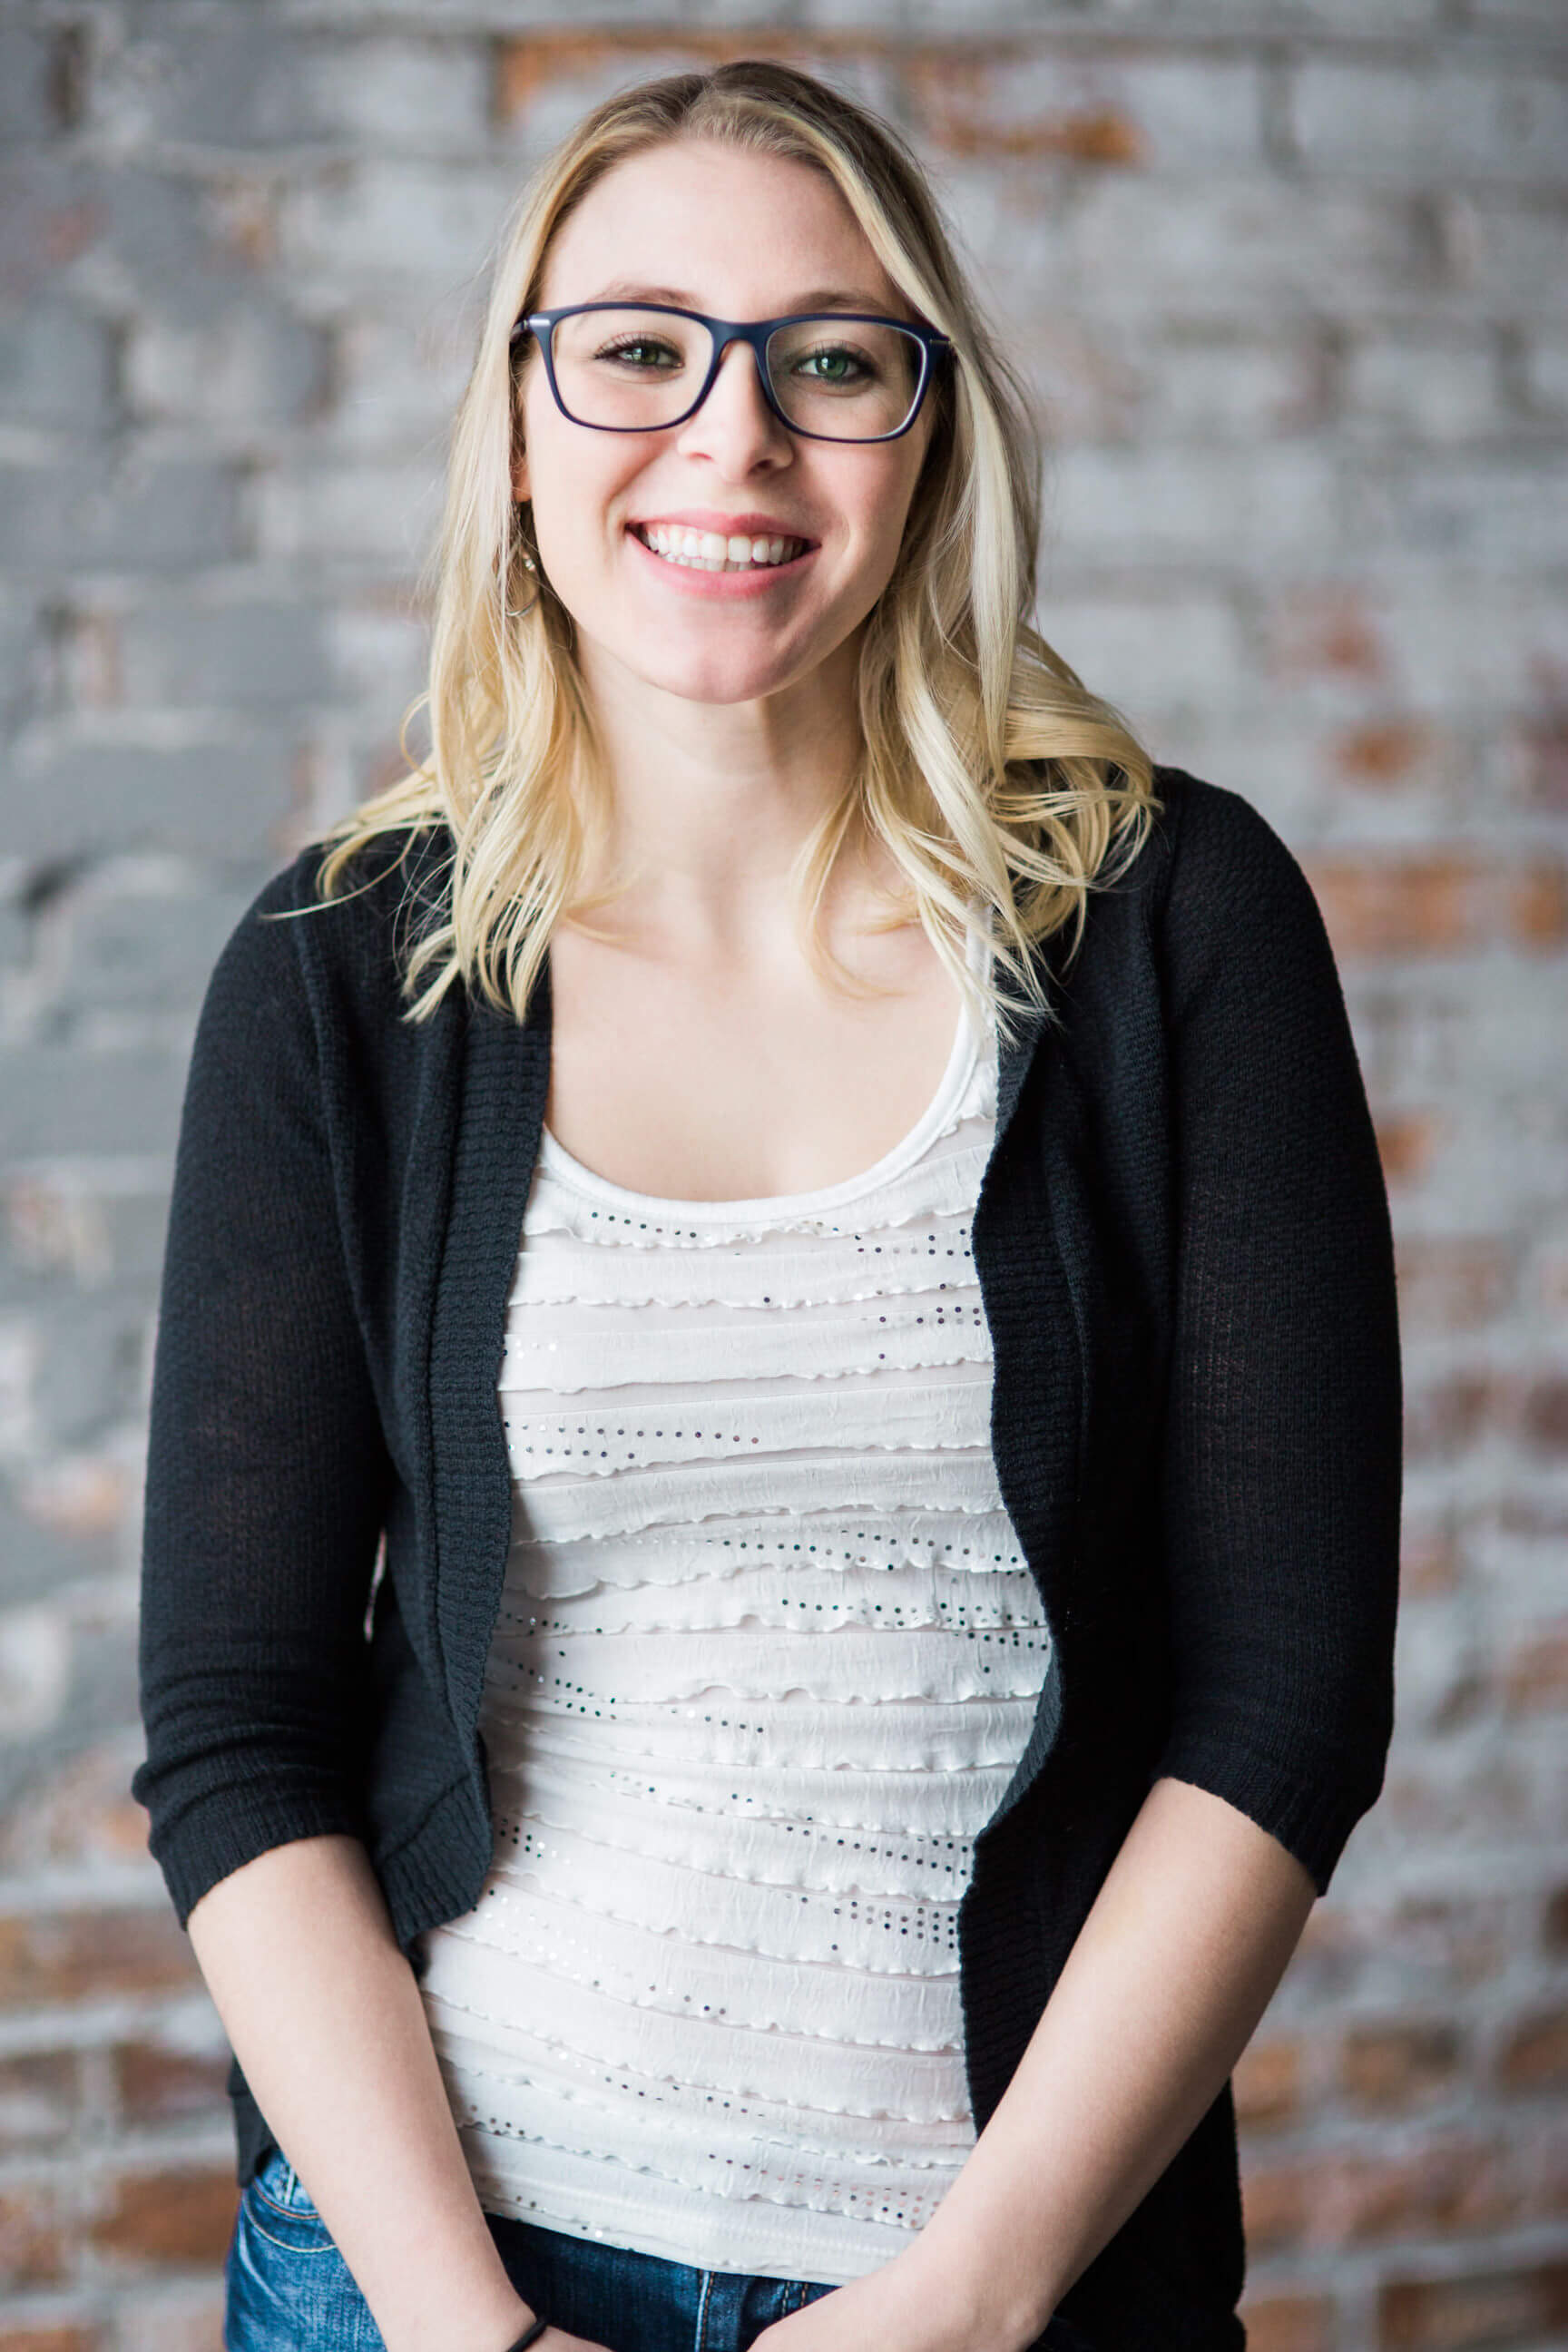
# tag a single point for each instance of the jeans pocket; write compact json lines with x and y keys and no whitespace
{"x":287,"y":2284}
{"x":283,"y":2210}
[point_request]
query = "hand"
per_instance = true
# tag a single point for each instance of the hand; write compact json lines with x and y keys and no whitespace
{"x":908,"y":2303}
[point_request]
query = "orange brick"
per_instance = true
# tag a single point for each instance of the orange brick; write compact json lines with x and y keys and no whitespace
{"x":530,"y":63}
{"x":1436,"y":2189}
{"x":1452,"y":1285}
{"x":1412,"y":905}
{"x":1554,"y":1925}
{"x":1266,"y":2085}
{"x":32,"y":2248}
{"x":1327,"y":632}
{"x":1382,"y":753}
{"x":1276,"y":2205}
{"x":1443,"y":1417}
{"x":1405,"y":1141}
{"x":161,"y":2086}
{"x":1544,"y":1415}
{"x":1535,"y":2057}
{"x":1484,"y":2313}
{"x":1289,"y":2323}
{"x":1428,"y":1561}
{"x":170,"y":2217}
{"x":78,"y":1955}
{"x":1535,"y":1678}
{"x":958,"y":97}
{"x":1395,"y":2066}
{"x":1546,"y":761}
{"x":50,"y":2339}
{"x":1538,"y":907}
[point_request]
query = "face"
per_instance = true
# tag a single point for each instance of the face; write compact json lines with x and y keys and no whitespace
{"x":711,"y":228}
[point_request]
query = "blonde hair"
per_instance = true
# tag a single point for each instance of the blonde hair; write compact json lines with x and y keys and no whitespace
{"x":989,"y":771}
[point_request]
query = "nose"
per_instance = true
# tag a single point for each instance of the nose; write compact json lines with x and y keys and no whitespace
{"x":736,"y":429}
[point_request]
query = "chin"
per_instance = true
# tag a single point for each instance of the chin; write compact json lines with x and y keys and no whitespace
{"x":717,"y":676}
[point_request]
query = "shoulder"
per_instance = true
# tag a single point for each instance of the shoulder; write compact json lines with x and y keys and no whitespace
{"x":1223,"y":889}
{"x":1211,"y":839}
{"x":295,"y":937}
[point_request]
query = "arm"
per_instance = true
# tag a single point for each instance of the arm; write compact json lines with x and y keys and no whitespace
{"x":325,"y":2017}
{"x":267,"y":1487}
{"x":1172,"y":1971}
{"x":1279,"y":1484}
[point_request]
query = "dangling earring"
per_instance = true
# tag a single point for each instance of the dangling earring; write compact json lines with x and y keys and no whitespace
{"x":531,"y":568}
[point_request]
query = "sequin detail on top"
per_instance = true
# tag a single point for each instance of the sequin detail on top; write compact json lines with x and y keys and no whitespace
{"x":767,"y":1655}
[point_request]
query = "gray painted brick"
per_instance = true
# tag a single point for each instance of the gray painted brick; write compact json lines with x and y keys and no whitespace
{"x":139,"y":240}
{"x":223,"y":799}
{"x":1432,"y":387}
{"x":1231,"y":247}
{"x":36,"y":1562}
{"x":381,"y":219}
{"x":211,"y":655}
{"x":377,"y":515}
{"x":47,"y":219}
{"x":140,"y":515}
{"x":145,"y":951}
{"x":25,"y":109}
{"x":254,"y":362}
{"x":421,"y":97}
{"x":54,"y":1098}
{"x":1449,"y":124}
{"x":1205,"y":507}
{"x":89,"y":1379}
{"x":56,"y":368}
{"x":225,"y":77}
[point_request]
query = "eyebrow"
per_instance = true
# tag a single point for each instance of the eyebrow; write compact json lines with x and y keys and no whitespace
{"x":818,"y":297}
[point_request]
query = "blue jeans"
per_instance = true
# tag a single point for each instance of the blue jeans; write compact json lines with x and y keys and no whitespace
{"x":290,"y":2289}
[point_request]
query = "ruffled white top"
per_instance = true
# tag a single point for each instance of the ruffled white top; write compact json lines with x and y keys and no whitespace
{"x":767,"y":1656}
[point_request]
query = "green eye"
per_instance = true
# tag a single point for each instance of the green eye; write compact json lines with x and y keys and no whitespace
{"x":836,"y":367}
{"x":641,"y":352}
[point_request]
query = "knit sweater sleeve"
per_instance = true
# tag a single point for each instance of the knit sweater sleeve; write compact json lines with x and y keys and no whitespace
{"x":1281,"y":1483}
{"x":268,"y":1475}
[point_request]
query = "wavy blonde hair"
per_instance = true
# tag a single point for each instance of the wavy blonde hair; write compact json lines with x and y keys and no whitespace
{"x":988,"y":770}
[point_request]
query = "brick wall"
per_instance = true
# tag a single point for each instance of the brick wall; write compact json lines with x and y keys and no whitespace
{"x":1291,"y":277}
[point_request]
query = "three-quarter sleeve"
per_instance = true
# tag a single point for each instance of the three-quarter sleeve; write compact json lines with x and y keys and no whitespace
{"x":267,"y":1474}
{"x":1281,"y":1465}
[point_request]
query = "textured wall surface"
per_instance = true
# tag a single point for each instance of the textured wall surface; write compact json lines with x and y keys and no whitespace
{"x":1291,"y":277}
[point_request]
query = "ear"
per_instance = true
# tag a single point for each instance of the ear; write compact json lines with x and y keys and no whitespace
{"x":520,"y":483}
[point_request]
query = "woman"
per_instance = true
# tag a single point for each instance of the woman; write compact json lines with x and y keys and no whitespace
{"x":819,"y":1217}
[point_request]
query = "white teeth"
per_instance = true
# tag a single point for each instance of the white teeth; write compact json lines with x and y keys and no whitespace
{"x":708,"y":551}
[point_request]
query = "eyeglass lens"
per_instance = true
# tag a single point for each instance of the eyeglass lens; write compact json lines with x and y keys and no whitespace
{"x":844,"y":380}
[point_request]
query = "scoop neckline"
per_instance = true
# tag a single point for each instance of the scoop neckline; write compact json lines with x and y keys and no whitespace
{"x":963,"y":1056}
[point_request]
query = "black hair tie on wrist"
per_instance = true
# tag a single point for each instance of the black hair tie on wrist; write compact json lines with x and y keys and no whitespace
{"x":530,"y":2335}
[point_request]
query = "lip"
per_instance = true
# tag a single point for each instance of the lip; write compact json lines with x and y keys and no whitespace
{"x":754,"y":525}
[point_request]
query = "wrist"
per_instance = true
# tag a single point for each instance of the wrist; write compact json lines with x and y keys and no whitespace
{"x":975,"y":2302}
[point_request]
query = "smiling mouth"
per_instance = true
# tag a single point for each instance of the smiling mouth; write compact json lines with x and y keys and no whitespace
{"x":709,"y":550}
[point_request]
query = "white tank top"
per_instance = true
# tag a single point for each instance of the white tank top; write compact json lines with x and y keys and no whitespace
{"x":768,"y":1654}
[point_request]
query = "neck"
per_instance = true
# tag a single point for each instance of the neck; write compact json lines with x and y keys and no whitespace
{"x":710,"y":803}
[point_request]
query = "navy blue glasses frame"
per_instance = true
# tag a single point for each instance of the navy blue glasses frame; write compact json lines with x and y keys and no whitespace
{"x":541,"y":325}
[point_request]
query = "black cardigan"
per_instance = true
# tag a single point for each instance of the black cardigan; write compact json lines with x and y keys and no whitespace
{"x":1184,"y":1254}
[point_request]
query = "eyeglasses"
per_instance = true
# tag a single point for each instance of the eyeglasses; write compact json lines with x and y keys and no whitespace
{"x":832,"y":375}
